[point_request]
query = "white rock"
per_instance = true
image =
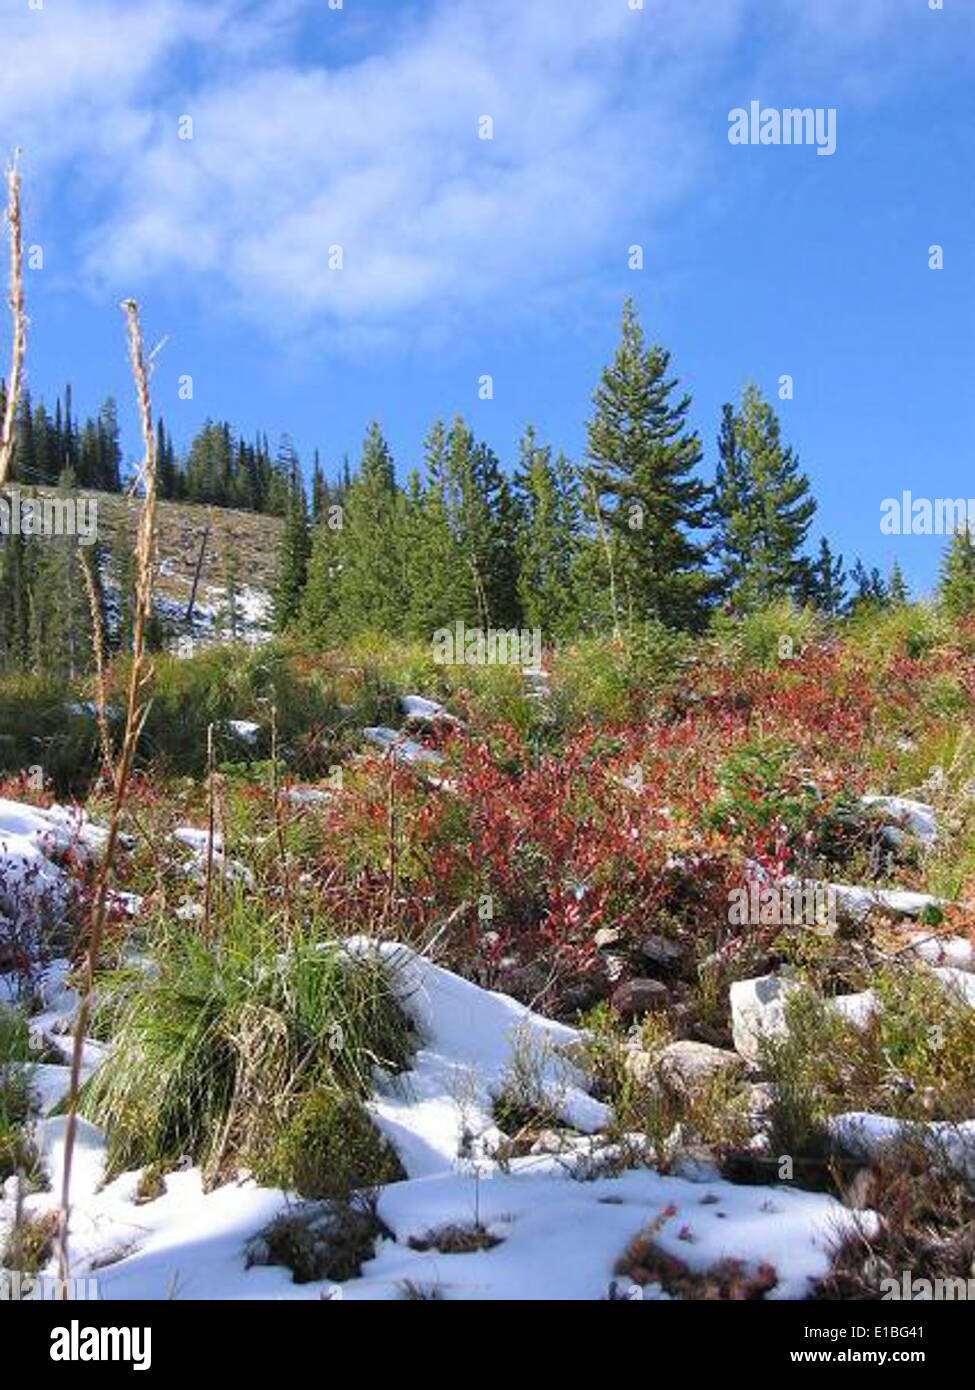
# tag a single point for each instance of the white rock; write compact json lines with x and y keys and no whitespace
{"x":857,"y":1009}
{"x":915,"y":818}
{"x":961,"y":980}
{"x":404,"y":750}
{"x":945,"y":950}
{"x":420,"y":710}
{"x":866,"y":1135}
{"x":859,"y":901}
{"x":757,"y":1011}
{"x":307,"y":796}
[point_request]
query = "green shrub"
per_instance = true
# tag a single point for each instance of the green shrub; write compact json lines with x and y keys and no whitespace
{"x":327,"y":1149}
{"x":232,"y":1049}
{"x":44,"y":722}
{"x":908,"y":629}
{"x":16,"y":1149}
{"x":759,"y":785}
{"x":911,"y":1060}
{"x":766,"y":636}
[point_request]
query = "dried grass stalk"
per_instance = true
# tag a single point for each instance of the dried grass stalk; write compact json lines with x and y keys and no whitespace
{"x":135,"y":715}
{"x":19,"y":315}
{"x":98,"y":644}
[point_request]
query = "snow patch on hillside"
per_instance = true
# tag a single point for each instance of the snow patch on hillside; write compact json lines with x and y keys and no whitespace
{"x":559,"y":1238}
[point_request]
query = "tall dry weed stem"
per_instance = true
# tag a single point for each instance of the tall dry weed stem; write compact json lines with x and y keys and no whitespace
{"x":17,"y":310}
{"x":98,"y":645}
{"x":137,"y":708}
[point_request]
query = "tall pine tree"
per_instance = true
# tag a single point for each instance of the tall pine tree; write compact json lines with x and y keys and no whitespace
{"x":763,"y":507}
{"x":642,"y":459}
{"x":956,"y":587}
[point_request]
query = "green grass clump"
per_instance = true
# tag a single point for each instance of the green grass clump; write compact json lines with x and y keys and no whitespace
{"x":909,"y":630}
{"x":604,"y":680}
{"x":249,"y":1051}
{"x":912,"y":1060}
{"x":30,"y":1245}
{"x":16,"y":1149}
{"x":768,"y":636}
{"x":42,"y":723}
{"x":328,"y":1147}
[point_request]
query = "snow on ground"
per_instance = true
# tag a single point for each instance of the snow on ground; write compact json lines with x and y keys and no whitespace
{"x":473,"y":1038}
{"x":905,"y":817}
{"x":244,"y":729}
{"x":560,"y":1238}
{"x":211,"y":621}
{"x":867,"y":1135}
{"x":32,"y":842}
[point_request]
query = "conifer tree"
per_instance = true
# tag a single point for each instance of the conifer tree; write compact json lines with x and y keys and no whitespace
{"x":292,"y":572}
{"x":956,"y":587}
{"x":319,"y":489}
{"x":439,"y":585}
{"x":319,"y":602}
{"x":897,"y":589}
{"x":548,"y":533}
{"x":642,"y":458}
{"x":868,"y":588}
{"x":827,"y":585}
{"x":763,"y":507}
{"x":121,"y":565}
{"x":371,"y":590}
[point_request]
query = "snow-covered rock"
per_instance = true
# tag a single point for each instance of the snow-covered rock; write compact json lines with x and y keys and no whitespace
{"x":956,"y":951}
{"x":758,"y":1011}
{"x":905,"y":817}
{"x":419,"y":710}
{"x":470,"y":1039}
{"x":402,"y":749}
{"x":197,"y":841}
{"x":866,"y":1135}
{"x":244,"y":729}
{"x":32,"y":841}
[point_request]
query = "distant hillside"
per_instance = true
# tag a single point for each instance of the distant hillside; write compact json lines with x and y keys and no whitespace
{"x":181,"y":527}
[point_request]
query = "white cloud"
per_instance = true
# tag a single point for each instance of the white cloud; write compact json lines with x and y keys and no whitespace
{"x":382,"y":157}
{"x":600,"y":116}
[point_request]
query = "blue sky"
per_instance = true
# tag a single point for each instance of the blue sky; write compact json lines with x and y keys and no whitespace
{"x":314,"y":127}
